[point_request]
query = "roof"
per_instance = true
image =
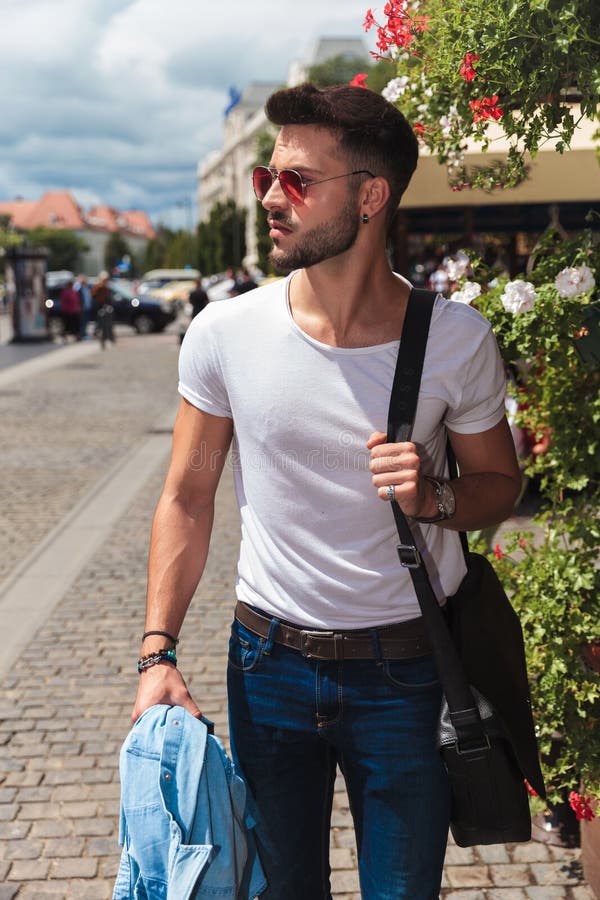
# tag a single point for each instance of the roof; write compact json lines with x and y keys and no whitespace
{"x":56,"y":209}
{"x":59,"y":209}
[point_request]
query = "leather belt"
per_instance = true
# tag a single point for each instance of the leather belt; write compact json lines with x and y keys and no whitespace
{"x":402,"y":640}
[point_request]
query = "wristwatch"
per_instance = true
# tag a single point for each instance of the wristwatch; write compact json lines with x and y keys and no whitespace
{"x":445,"y":499}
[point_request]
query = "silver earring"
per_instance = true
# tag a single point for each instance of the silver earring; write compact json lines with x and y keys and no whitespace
{"x":365,"y":219}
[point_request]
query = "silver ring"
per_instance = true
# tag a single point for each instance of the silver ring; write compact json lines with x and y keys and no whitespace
{"x":390,"y":493}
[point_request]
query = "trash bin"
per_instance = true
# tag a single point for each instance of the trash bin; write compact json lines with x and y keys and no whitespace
{"x":25,"y":273}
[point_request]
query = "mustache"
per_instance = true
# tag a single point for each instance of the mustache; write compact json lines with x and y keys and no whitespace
{"x":279,"y":217}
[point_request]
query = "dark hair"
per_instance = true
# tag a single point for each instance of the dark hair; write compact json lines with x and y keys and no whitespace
{"x":372,"y":133}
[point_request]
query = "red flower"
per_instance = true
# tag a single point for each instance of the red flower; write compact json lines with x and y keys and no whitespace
{"x":530,"y":790}
{"x":581,"y":806}
{"x":369,"y":20}
{"x":498,"y":552}
{"x":466,"y":70}
{"x":486,"y":109}
{"x":420,"y":129}
{"x":522,"y":543}
{"x":359,"y":80}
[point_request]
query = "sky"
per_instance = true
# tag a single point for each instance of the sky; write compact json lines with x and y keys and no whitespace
{"x":118,"y":100}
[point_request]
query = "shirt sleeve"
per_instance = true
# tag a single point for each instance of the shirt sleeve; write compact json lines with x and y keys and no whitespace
{"x":483,"y":396}
{"x":201,"y":379}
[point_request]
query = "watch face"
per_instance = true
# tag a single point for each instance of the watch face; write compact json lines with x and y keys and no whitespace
{"x":448,"y":499}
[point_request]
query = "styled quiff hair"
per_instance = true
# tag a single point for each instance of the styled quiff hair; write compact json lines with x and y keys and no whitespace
{"x":371,"y":132}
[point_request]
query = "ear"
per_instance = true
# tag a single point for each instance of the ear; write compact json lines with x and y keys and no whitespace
{"x":374,"y":196}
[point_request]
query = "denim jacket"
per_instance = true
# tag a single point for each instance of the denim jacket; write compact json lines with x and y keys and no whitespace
{"x":184,"y":828}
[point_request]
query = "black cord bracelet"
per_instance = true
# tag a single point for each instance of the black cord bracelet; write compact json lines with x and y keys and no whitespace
{"x":161,"y":634}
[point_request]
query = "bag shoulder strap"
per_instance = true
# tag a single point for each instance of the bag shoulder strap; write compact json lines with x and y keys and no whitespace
{"x":403,"y":404}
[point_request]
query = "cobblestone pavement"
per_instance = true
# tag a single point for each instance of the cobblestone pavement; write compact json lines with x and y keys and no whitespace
{"x":64,"y":707}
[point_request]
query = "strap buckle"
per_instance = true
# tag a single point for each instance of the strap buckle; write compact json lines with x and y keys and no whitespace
{"x":409,"y":556}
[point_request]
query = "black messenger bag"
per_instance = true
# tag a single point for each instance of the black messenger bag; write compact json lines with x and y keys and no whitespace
{"x":486,"y":733}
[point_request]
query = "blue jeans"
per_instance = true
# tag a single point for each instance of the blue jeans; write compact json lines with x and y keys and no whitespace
{"x":293,"y":719}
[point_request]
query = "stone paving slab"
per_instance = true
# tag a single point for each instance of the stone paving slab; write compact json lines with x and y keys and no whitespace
{"x":65,"y":704}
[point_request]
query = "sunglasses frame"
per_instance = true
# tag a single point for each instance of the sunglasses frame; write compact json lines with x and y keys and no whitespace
{"x":304,"y":184}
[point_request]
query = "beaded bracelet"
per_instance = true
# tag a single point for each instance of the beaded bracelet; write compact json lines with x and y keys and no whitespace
{"x":153,"y":659}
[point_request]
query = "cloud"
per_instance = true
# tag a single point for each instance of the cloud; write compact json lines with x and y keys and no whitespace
{"x":118,"y":100}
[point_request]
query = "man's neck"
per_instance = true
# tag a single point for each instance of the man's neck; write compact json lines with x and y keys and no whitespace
{"x":349,"y":301}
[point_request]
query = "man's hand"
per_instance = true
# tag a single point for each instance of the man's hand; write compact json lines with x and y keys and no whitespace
{"x":399,"y":465}
{"x":162,"y":683}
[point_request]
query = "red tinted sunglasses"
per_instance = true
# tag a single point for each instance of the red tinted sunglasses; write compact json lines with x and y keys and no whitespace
{"x":291,"y":182}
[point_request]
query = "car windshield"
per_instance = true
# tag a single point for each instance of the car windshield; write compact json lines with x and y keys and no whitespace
{"x":123,"y":291}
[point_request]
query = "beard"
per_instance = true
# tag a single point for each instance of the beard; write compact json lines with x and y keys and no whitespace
{"x":319,"y":243}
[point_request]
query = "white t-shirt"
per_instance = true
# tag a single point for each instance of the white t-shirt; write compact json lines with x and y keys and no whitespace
{"x":318,"y":546}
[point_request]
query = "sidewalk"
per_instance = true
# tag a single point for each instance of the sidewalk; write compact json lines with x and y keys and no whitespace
{"x":92,"y":433}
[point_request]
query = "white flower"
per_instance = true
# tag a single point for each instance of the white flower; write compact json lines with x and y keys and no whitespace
{"x":457,"y":267}
{"x":469,"y":292}
{"x":519,"y":296}
{"x":578,"y":280}
{"x":395,"y":88}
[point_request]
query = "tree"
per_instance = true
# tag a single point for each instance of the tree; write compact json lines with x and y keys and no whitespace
{"x":64,"y":246}
{"x":338,"y":70}
{"x":265,"y":142}
{"x":116,"y":248}
{"x":531,"y":69}
{"x":222,"y":240}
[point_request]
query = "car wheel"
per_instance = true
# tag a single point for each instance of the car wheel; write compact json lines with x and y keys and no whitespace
{"x":143,"y":324}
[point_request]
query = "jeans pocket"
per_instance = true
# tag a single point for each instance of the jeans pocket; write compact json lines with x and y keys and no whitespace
{"x":411,"y":675}
{"x":245,"y":648}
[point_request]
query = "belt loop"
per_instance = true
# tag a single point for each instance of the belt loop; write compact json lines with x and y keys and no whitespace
{"x":377,"y":652}
{"x":270,"y":639}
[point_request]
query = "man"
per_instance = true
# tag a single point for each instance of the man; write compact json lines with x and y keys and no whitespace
{"x":198,"y":298}
{"x":329,"y":664}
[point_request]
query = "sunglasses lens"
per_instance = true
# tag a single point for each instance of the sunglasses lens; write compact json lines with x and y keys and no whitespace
{"x":291,"y":185}
{"x":261,"y":181}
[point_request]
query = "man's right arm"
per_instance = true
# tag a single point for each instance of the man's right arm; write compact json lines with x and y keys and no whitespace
{"x":179,"y":545}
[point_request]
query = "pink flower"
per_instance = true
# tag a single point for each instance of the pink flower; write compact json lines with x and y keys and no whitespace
{"x":581,"y":806}
{"x":486,"y":109}
{"x":498,"y":552}
{"x":359,"y":80}
{"x":466,"y":70}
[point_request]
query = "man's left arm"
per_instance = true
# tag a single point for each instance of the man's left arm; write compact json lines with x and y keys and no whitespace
{"x":485,"y":491}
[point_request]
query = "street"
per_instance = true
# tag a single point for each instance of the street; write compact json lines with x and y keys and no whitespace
{"x":84,"y":438}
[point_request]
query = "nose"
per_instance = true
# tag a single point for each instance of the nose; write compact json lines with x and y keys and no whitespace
{"x":275,"y":198}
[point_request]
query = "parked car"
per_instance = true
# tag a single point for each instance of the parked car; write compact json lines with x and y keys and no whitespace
{"x":142,"y":313}
{"x":173,"y":292}
{"x":158,"y":278}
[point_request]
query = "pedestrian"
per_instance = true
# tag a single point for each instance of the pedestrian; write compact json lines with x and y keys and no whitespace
{"x":243,"y":283}
{"x":198,"y":297}
{"x":328,"y":658}
{"x":85,"y":297}
{"x":70,"y":308}
{"x":102,"y":297}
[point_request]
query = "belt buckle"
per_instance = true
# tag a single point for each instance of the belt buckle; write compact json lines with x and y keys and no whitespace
{"x":306,"y":636}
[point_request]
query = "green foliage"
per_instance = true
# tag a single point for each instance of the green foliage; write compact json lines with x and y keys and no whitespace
{"x":553,"y":576}
{"x":64,"y":246}
{"x":535,"y":57}
{"x":115,"y":249}
{"x":222,"y":240}
{"x":337,"y":70}
{"x":265,"y":143}
{"x":180,"y":251}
